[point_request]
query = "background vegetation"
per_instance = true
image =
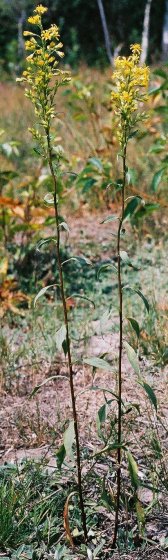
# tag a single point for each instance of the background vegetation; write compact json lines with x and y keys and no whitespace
{"x":81,"y":29}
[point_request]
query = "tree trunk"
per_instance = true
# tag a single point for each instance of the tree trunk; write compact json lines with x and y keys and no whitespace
{"x":165,"y":34}
{"x":20,"y":33}
{"x":105,"y":31}
{"x":145,"y":33}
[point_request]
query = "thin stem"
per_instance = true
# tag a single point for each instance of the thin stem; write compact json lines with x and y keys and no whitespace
{"x":119,"y":424}
{"x":67,"y":336}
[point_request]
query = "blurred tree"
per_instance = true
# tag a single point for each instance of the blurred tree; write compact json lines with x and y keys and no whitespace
{"x":105,"y":30}
{"x":165,"y":34}
{"x":13,"y":14}
{"x":145,"y":33}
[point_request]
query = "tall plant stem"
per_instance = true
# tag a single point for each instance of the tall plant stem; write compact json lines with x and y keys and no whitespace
{"x":67,"y":336}
{"x":119,"y":423}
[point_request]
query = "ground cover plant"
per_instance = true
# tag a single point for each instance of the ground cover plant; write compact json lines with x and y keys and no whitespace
{"x":63,"y":320}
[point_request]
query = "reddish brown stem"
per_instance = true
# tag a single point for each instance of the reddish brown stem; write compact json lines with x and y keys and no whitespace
{"x":63,"y":298}
{"x":119,"y":424}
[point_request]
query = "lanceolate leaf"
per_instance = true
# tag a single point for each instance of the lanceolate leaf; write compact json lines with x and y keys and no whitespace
{"x":81,"y":260}
{"x":60,"y":456}
{"x":64,"y":225}
{"x":42,"y":292}
{"x":132,"y":356}
{"x":81,"y":297}
{"x":126,"y":260}
{"x":156,"y":179}
{"x":97,"y":363}
{"x":109,"y":219}
{"x":133,"y":470}
{"x":60,"y":337}
{"x":96,"y":163}
{"x":69,"y":437}
{"x":105,"y":266}
{"x":44,"y":241}
{"x":53,"y":377}
{"x":150,"y":392}
{"x":134,"y":325}
{"x":49,"y":198}
{"x":131,"y":206}
{"x":101,"y":416}
{"x":140,"y":294}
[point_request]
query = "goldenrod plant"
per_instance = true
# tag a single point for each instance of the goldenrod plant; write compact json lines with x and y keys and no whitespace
{"x":131,"y":82}
{"x":43,"y":78}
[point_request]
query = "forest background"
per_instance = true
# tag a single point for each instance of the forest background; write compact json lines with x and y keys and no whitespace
{"x":81,"y":28}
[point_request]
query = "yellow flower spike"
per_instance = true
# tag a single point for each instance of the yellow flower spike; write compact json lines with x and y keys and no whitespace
{"x":130,"y":81}
{"x":40,"y":9}
{"x":42,"y":67}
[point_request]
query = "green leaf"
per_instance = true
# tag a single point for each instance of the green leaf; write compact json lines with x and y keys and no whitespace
{"x":126,"y":260}
{"x":140,"y":294}
{"x":87,"y":184}
{"x":150,"y":392}
{"x":49,"y":198}
{"x":162,"y":109}
{"x":60,"y":337}
{"x":97,"y":363}
{"x":81,"y":260}
{"x":42,"y":292}
{"x":145,"y":209}
{"x":69,"y":437}
{"x":38,"y":387}
{"x":81,"y":297}
{"x":44,"y":241}
{"x":60,"y":456}
{"x":135,"y":325}
{"x":98,"y":388}
{"x":104,"y":267}
{"x":109,"y":219}
{"x":96,"y":163}
{"x":158,"y":147}
{"x":133,"y":133}
{"x":156,"y":179}
{"x":124,"y":257}
{"x":131,"y":207}
{"x":161,"y":73}
{"x":133,"y":470}
{"x":64,"y":225}
{"x":132,"y":356}
{"x":140,"y":513}
{"x":105,"y":498}
{"x":101,"y":416}
{"x":131,"y":176}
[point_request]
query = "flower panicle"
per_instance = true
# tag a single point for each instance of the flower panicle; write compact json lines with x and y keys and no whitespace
{"x":131,"y":82}
{"x":43,"y":75}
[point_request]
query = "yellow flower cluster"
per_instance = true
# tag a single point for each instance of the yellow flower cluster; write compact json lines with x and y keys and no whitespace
{"x":130,"y":80}
{"x":42,"y":67}
{"x":35,"y":20}
{"x":52,"y":33}
{"x":40,"y":9}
